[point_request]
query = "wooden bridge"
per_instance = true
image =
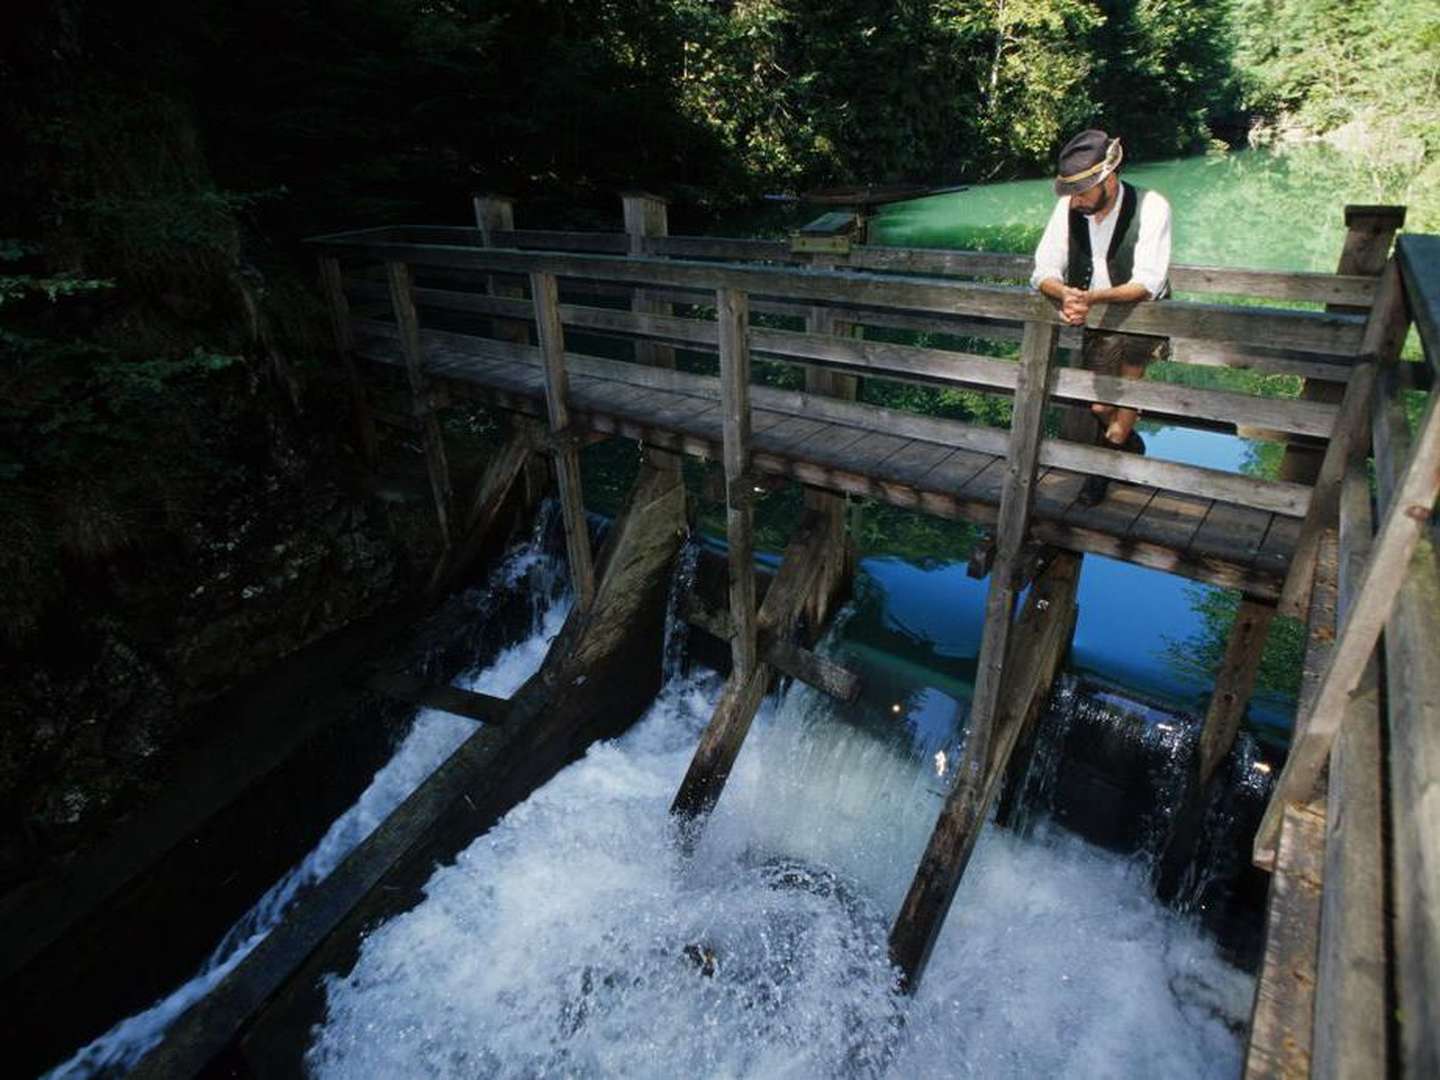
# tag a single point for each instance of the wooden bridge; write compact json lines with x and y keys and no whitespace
{"x":520,"y":319}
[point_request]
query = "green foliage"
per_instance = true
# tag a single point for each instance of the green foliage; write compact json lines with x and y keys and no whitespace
{"x":1365,"y":74}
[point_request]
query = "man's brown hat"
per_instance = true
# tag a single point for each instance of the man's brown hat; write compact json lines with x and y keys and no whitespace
{"x":1087,"y":160}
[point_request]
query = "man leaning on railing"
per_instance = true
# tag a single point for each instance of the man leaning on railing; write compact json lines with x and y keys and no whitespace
{"x":1107,"y":242}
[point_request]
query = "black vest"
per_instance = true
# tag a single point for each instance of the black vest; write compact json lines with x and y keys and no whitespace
{"x":1080,"y":264}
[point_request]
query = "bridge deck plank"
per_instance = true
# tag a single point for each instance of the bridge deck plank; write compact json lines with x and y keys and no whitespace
{"x":1195,"y":536}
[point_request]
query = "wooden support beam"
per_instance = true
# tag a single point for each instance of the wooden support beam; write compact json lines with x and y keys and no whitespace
{"x":1384,"y":337}
{"x":733,"y":315}
{"x":923,"y":912}
{"x":791,"y":592}
{"x":784,"y":656}
{"x":332,"y":284}
{"x":1404,"y":523}
{"x":451,"y":699}
{"x":402,"y":287}
{"x":1352,"y":983}
{"x":1040,"y":641}
{"x":505,"y":470}
{"x":543,"y":289}
{"x":1282,"y":1021}
{"x":1234,"y":683}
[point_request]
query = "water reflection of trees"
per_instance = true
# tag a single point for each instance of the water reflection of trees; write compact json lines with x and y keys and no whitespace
{"x":1198,"y":656}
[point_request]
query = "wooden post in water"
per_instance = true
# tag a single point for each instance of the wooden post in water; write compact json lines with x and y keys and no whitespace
{"x":333,"y":285}
{"x":923,"y":912}
{"x":787,"y":601}
{"x":494,"y":214}
{"x":1234,"y":684}
{"x":402,"y":296}
{"x":545,"y":290}
{"x":733,"y":312}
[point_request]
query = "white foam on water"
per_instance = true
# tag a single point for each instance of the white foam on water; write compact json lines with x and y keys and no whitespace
{"x":433,"y":736}
{"x":556,"y":944}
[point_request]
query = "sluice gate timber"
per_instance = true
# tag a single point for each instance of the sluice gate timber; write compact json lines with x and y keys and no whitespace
{"x":1352,"y":836}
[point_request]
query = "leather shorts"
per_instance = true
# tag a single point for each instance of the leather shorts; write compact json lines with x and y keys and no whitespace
{"x":1104,"y":351}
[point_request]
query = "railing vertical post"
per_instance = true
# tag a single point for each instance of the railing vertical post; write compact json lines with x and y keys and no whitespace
{"x":333,"y":285}
{"x":545,"y":290}
{"x":496,"y":213}
{"x":1384,"y":337}
{"x":832,"y":505}
{"x":733,"y":313}
{"x":402,"y":297}
{"x":923,"y":913}
{"x":646,"y":216}
{"x":1369,"y":231}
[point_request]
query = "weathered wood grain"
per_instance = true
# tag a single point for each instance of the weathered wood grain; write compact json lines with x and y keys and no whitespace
{"x":408,"y":328}
{"x":1327,"y":333}
{"x":545,"y":294}
{"x":733,"y":316}
{"x":1351,"y":1037}
{"x":1281,"y":1025}
{"x":1041,"y":638}
{"x":928,"y":900}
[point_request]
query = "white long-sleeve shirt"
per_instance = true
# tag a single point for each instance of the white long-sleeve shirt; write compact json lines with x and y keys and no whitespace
{"x":1152,"y":245}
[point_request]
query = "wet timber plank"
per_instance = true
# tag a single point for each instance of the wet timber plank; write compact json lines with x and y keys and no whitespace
{"x":834,"y":443}
{"x":870,"y":452}
{"x":1056,"y":491}
{"x":1230,"y":532}
{"x":780,"y":438}
{"x":1278,"y":545}
{"x":765,"y":419}
{"x":985,"y":485}
{"x":911,"y":464}
{"x":1170,"y":520}
{"x":1116,"y":513}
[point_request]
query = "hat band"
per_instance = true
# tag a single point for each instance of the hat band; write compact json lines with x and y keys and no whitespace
{"x":1113,"y":154}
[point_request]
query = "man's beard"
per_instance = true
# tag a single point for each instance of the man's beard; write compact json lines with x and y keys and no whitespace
{"x":1100,"y":207}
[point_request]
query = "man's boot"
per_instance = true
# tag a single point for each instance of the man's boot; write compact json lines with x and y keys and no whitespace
{"x":1093,"y":492}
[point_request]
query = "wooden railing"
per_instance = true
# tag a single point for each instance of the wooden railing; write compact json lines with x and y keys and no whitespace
{"x":1352,"y":831}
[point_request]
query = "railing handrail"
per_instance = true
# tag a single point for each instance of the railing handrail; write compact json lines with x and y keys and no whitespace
{"x":1285,"y":285}
{"x":1324,"y":332}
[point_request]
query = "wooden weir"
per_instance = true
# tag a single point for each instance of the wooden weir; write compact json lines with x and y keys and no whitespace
{"x":1355,"y":910}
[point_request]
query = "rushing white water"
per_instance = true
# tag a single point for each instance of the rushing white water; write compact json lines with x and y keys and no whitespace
{"x":575,"y":939}
{"x":433,"y":736}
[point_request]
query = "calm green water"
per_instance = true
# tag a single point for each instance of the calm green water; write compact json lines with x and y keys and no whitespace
{"x":1251,"y":208}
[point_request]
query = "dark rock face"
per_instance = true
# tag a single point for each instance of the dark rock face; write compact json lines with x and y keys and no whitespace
{"x":117,"y":674}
